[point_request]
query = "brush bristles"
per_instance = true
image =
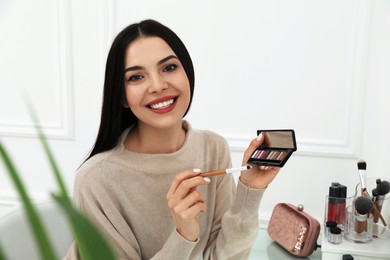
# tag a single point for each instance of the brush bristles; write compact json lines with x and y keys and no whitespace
{"x":383,"y":188}
{"x":362,"y":165}
{"x":363,"y":205}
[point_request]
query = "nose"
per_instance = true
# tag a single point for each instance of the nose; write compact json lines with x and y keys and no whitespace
{"x":157,"y":84}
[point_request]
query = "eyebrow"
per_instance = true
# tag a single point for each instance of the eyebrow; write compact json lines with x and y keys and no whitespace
{"x":158,"y":63}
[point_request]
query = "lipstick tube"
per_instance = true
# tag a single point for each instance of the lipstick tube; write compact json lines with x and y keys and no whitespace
{"x":337,"y":203}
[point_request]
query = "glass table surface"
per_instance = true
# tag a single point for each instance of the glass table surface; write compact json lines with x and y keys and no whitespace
{"x":265,"y":248}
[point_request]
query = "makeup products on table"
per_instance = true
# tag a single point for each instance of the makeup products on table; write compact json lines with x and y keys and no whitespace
{"x":358,"y":225}
{"x":328,"y":225}
{"x":276,"y":149}
{"x":378,"y":200}
{"x":357,"y":216}
{"x":362,"y":166}
{"x":363,"y":207}
{"x":336,"y":203}
{"x":378,"y":197}
{"x":348,"y":257}
{"x":224,"y":171}
{"x":380,"y":228}
{"x":335,"y":235}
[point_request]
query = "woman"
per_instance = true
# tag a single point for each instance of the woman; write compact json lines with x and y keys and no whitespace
{"x":141,"y":182}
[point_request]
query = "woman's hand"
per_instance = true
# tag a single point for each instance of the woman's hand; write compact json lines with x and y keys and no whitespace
{"x":259,"y":176}
{"x":185,"y":203}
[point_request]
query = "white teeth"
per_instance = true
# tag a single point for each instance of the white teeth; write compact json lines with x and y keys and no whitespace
{"x":162,"y":105}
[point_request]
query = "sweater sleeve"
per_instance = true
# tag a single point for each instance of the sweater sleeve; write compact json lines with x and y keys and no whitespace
{"x":238,"y":226}
{"x":97,"y":201}
{"x":235,"y":222}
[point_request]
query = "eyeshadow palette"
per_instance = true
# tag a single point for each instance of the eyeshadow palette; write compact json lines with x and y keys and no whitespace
{"x":276,"y":149}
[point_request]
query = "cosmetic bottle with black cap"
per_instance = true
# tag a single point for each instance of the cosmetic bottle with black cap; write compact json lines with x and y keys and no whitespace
{"x":336,"y":202}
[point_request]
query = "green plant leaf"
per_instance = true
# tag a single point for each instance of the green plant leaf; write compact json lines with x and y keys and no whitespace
{"x":2,"y":255}
{"x":41,"y":238}
{"x":91,"y":243}
{"x":49,"y":154}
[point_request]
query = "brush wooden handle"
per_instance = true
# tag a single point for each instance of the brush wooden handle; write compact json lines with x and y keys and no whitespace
{"x":360,"y":226}
{"x":377,"y":214}
{"x":213,"y":173}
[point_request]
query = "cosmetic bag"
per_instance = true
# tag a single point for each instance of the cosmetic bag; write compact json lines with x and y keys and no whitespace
{"x":293,"y":229}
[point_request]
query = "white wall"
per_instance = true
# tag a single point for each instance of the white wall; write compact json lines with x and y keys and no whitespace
{"x":320,"y":67}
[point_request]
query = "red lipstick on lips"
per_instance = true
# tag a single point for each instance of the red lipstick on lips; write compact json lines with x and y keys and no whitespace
{"x":163,"y":109}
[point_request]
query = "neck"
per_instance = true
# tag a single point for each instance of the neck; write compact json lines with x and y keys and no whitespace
{"x":146,"y":139}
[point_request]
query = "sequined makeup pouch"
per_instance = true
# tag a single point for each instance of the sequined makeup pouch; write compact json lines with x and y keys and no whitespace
{"x":293,"y":229}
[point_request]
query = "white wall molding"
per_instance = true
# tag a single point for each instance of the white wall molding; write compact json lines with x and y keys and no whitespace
{"x":109,"y":13}
{"x":348,"y":147}
{"x":12,"y":197}
{"x":64,"y":127}
{"x":11,"y":200}
{"x":245,"y":54}
{"x":306,"y":147}
{"x":359,"y":71}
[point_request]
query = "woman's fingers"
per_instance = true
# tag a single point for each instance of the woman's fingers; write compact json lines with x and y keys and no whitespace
{"x":187,"y":223}
{"x":194,"y":201}
{"x":184,"y":183}
{"x":193,"y":211}
{"x":183,"y":192}
{"x":190,"y":184}
{"x":254,"y":144}
{"x":179,"y":178}
{"x":185,"y":203}
{"x":259,"y":176}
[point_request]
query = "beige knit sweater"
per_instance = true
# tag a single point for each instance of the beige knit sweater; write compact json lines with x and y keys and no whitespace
{"x":124,"y":193}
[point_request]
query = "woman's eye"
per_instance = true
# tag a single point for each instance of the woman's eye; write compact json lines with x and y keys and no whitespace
{"x":170,"y":68}
{"x":135,"y":78}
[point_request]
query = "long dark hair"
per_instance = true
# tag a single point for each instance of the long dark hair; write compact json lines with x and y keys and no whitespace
{"x":115,"y":118}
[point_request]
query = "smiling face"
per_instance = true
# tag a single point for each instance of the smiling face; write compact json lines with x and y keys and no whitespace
{"x":157,"y":88}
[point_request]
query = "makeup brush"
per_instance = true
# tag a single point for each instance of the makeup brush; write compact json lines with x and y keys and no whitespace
{"x":382,"y":188}
{"x":224,"y":171}
{"x":362,"y":166}
{"x":374,"y":194}
{"x":363,"y":206}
